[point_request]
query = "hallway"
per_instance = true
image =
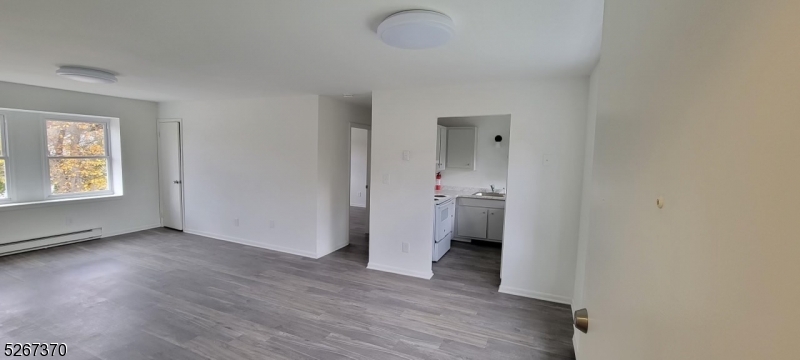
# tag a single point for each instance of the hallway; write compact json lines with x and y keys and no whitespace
{"x":358,"y":226}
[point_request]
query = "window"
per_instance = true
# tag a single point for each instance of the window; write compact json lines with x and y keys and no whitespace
{"x":77,"y":157}
{"x":3,"y":160}
{"x":57,"y":158}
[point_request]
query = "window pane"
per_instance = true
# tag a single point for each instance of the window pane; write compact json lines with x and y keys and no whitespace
{"x":1,"y":136}
{"x":72,"y":176}
{"x":3,"y":190}
{"x":70,"y":138}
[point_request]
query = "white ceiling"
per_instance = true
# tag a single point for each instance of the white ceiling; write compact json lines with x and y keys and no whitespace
{"x":199,"y":49}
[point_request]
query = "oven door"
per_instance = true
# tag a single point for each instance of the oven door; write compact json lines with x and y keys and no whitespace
{"x":444,"y":222}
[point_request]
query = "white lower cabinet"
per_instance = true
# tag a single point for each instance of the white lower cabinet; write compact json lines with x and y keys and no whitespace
{"x":471,"y":221}
{"x":480,"y":219}
{"x":494,"y":228}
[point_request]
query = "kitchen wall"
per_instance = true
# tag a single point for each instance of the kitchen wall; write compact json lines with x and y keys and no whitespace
{"x":137,"y":209}
{"x":491,"y":164}
{"x":264,"y":161}
{"x":358,"y":168}
{"x":333,"y":200}
{"x":543,"y":205}
{"x":697,"y":101}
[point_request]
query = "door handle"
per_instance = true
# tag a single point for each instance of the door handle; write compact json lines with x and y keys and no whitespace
{"x":582,"y":320}
{"x":176,"y":182}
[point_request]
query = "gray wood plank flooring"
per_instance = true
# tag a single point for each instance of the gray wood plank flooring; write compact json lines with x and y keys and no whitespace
{"x":162,"y":294}
{"x":358,"y":226}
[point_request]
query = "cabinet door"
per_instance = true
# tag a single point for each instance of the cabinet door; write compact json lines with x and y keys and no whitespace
{"x":438,"y":148}
{"x":471,"y":222}
{"x":441,"y":150}
{"x":461,"y":144}
{"x":494,"y":229}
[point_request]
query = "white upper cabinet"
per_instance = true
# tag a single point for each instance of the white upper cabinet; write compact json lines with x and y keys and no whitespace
{"x":461,"y":145}
{"x":441,"y":148}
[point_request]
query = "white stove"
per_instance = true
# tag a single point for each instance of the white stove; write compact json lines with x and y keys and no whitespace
{"x":444,"y":216}
{"x":439,"y":198}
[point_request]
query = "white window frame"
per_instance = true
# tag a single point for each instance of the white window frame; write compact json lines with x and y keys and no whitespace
{"x":5,"y":156}
{"x":48,"y":187}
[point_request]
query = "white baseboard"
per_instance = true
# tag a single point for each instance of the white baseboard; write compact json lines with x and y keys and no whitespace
{"x":319,"y":255}
{"x":396,"y":270}
{"x":232,"y":239}
{"x":131,"y":230}
{"x":534,"y":294}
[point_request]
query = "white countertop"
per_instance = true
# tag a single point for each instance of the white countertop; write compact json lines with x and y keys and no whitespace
{"x":467,"y":193}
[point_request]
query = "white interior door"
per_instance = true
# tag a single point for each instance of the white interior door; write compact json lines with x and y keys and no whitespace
{"x":369,"y":164}
{"x":360,"y":144}
{"x":169,"y":174}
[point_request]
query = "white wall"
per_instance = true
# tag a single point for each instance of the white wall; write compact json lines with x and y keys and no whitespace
{"x":333,"y":203}
{"x":699,"y":102}
{"x":543,"y":206}
{"x":491,"y":164}
{"x":358,"y":167}
{"x":280,"y":159}
{"x":255,"y":160}
{"x":136,"y":210}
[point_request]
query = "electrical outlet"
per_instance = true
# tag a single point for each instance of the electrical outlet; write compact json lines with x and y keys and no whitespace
{"x":236,"y":222}
{"x":387,"y":179}
{"x":272,"y":224}
{"x":406,"y":247}
{"x":359,"y":194}
{"x":406,"y":155}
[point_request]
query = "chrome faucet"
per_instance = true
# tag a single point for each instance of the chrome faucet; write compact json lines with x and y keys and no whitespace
{"x":492,"y":186}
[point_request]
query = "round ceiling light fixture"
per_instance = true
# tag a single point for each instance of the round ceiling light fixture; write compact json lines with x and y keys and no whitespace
{"x":87,"y":75}
{"x":416,"y":29}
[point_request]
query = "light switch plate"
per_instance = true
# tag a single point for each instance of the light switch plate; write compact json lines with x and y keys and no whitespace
{"x":386,"y":178}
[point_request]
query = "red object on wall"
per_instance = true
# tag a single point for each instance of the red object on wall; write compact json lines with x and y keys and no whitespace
{"x":438,"y":181}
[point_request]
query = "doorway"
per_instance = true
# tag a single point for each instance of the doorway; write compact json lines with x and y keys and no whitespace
{"x":472,"y":169}
{"x":170,"y":173}
{"x":360,"y":144}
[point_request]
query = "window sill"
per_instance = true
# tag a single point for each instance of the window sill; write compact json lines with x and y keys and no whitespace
{"x":53,"y":202}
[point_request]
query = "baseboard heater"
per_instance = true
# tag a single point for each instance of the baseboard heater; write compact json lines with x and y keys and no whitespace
{"x":49,"y":241}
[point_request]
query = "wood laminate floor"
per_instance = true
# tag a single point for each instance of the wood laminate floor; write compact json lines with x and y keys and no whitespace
{"x":358,"y":226}
{"x":162,"y":294}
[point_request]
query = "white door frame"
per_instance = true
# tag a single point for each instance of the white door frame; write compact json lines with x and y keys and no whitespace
{"x":180,"y":146}
{"x":350,"y":170}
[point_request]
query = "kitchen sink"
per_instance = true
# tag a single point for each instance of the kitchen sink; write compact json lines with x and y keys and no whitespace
{"x":492,"y":194}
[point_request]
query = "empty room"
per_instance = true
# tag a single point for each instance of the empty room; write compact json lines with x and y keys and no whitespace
{"x":393,"y":179}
